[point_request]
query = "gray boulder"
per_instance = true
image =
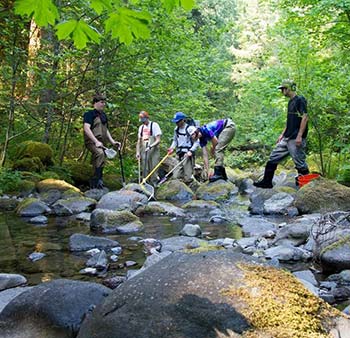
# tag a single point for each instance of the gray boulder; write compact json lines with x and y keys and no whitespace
{"x":122,"y":200}
{"x":81,"y":242}
{"x":52,"y":309}
{"x":10,"y":280}
{"x":198,"y":295}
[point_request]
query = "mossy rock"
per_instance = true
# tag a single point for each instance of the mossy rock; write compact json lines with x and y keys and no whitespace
{"x":216,"y":191}
{"x":174,"y":190}
{"x":32,"y":164}
{"x":80,"y":172}
{"x":50,"y":183}
{"x":322,"y":195}
{"x":49,"y":174}
{"x":32,"y":149}
{"x":112,"y":182}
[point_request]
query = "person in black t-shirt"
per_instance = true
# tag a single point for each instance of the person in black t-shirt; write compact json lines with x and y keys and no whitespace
{"x":292,"y":141}
{"x":96,"y":136}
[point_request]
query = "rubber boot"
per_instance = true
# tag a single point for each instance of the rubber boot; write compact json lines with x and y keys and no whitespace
{"x":98,"y":175}
{"x":224,"y":173}
{"x":266,"y":182}
{"x":218,"y":174}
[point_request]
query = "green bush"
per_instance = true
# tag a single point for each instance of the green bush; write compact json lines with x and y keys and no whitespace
{"x":9,"y":180}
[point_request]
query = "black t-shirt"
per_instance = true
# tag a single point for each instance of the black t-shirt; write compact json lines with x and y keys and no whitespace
{"x":90,"y":115}
{"x":297,"y":107}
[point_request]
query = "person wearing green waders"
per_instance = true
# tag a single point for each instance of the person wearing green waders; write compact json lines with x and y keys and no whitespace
{"x":96,"y":137}
{"x":292,"y":141}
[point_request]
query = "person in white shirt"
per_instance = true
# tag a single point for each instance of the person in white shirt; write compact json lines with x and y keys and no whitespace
{"x":147,"y":147}
{"x":185,"y":148}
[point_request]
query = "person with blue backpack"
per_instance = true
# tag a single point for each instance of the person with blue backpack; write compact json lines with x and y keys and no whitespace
{"x":219,"y":133}
{"x":185,"y":148}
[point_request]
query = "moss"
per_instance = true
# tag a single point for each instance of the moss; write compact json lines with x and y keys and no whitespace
{"x":219,"y":191}
{"x":335,"y":245}
{"x":79,"y":172}
{"x":50,"y":183}
{"x":277,"y":304}
{"x":28,"y":164}
{"x":30,"y":149}
{"x":204,"y":247}
{"x":23,"y":204}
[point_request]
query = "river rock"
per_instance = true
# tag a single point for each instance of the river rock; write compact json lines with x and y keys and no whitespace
{"x":107,"y":221}
{"x":216,"y":191}
{"x":31,"y":207}
{"x":181,"y":242}
{"x":10,"y":280}
{"x":121,"y":200}
{"x":322,"y":195}
{"x":54,"y":184}
{"x":73,"y":205}
{"x":278,"y":203}
{"x":81,"y":242}
{"x":53,"y":309}
{"x":7,"y":295}
{"x":256,"y":226}
{"x":160,"y":208}
{"x":191,"y":230}
{"x":197,"y":295}
{"x":174,"y":190}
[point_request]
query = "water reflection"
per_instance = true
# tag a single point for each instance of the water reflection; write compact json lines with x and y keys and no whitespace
{"x":19,"y":238}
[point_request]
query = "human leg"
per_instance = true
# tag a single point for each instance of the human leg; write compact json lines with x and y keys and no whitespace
{"x":299,"y":157}
{"x":276,"y":156}
{"x":224,"y":139}
{"x":98,"y":161}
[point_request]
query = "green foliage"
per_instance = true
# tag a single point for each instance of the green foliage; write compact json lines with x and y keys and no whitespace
{"x":33,"y":164}
{"x":9,"y":180}
{"x":44,"y":12}
{"x":32,"y":149}
{"x":125,"y":24}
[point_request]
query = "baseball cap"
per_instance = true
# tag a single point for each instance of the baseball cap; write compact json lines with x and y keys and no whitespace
{"x":178,"y":117}
{"x":287,"y":83}
{"x":191,"y":129}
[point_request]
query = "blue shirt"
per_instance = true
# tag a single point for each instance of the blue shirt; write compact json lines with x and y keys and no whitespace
{"x":210,"y":130}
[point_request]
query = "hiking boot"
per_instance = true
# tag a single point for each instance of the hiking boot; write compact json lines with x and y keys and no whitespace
{"x":263,"y":184}
{"x":218,"y":174}
{"x":266,"y":182}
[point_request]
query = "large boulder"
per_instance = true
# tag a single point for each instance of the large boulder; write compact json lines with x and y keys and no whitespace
{"x":210,"y":294}
{"x":122,"y":200}
{"x":50,"y":310}
{"x":174,"y":190}
{"x":322,"y":195}
{"x":216,"y":191}
{"x":54,"y":184}
{"x":31,"y":149}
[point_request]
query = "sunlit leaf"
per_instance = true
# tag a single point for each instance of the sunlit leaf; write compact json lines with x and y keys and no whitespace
{"x":44,"y":12}
{"x":127,"y":25}
{"x":79,"y":31}
{"x":64,"y":29}
{"x":99,"y":5}
{"x":187,"y":4}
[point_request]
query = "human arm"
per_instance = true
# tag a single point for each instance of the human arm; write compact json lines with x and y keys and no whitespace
{"x":111,"y":140}
{"x":302,"y":128}
{"x":205,"y":159}
{"x":88,"y":132}
{"x":214,"y":142}
{"x":281,"y":135}
{"x":155,"y":142}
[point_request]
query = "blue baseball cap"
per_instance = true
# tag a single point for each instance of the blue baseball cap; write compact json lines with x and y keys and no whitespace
{"x":178,"y":117}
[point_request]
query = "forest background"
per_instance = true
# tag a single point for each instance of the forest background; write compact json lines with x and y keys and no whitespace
{"x":209,"y":59}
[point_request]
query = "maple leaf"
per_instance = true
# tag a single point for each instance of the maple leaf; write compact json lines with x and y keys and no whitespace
{"x":44,"y":12}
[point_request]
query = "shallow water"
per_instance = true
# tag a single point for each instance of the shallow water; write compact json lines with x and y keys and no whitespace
{"x":18,"y":239}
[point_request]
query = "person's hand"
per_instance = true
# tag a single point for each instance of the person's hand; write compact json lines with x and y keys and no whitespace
{"x":117,"y":145}
{"x":138,"y":156}
{"x":148,"y":148}
{"x":279,"y":138}
{"x":298,"y":141}
{"x":99,"y":144}
{"x":170,"y":151}
{"x":189,"y":154}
